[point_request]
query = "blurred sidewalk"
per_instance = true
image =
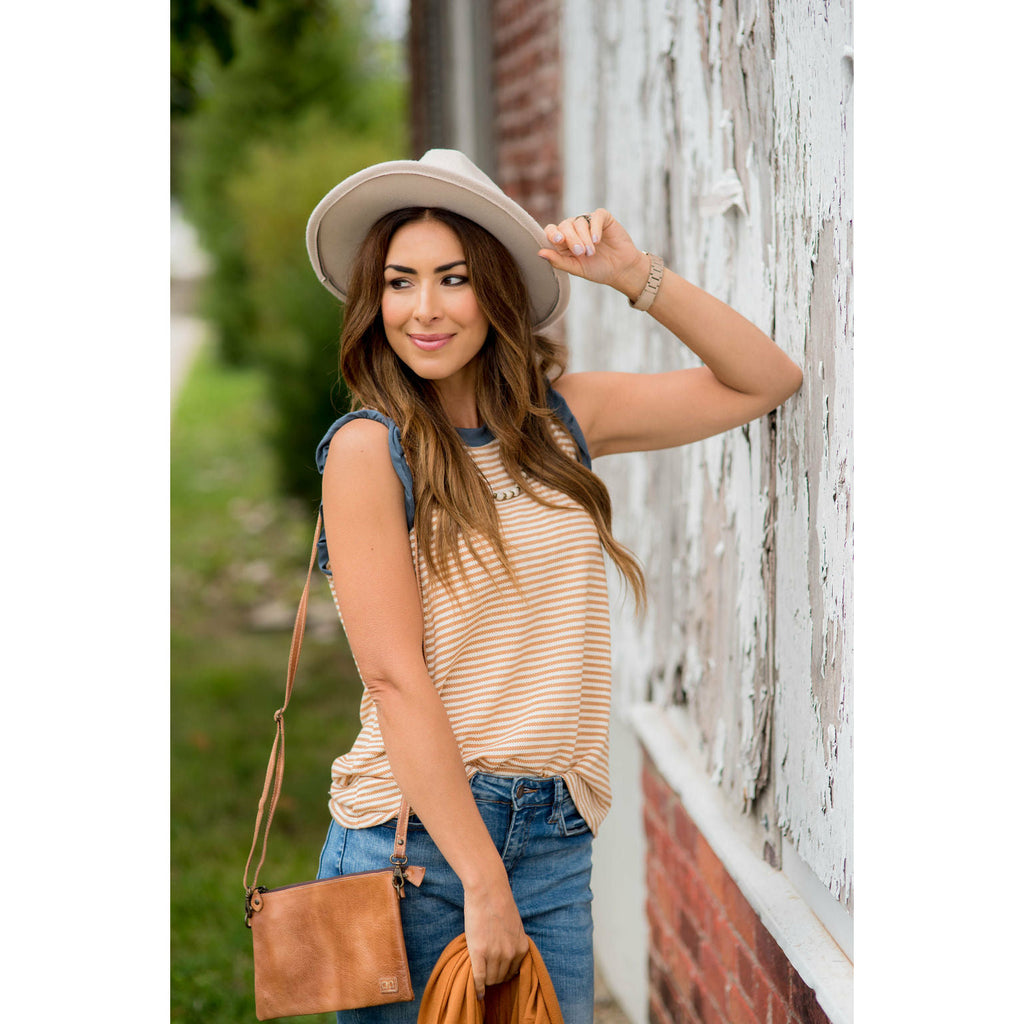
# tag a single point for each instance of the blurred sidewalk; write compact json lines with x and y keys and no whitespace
{"x":188,"y":265}
{"x":606,"y":1009}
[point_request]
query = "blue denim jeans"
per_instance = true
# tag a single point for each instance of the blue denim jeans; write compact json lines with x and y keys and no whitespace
{"x":545,"y":846}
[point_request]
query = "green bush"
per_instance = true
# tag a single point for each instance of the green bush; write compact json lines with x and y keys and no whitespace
{"x":307,"y":97}
{"x":296,"y":321}
{"x":289,"y":56}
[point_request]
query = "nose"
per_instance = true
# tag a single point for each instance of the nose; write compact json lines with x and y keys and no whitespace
{"x":427,"y":305}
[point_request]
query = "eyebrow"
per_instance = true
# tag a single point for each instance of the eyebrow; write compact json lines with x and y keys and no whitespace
{"x":437,"y":270}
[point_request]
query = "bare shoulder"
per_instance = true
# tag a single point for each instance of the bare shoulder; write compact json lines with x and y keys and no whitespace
{"x":368,"y":540}
{"x":359,"y":461}
{"x":360,"y":442}
{"x":585,"y":394}
{"x":571,"y":385}
{"x":360,"y":434}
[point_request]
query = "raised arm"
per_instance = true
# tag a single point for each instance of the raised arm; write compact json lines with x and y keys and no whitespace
{"x":744,"y":374}
{"x":375,"y":581}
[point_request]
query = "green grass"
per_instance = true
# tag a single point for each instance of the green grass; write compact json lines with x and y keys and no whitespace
{"x":238,"y":550}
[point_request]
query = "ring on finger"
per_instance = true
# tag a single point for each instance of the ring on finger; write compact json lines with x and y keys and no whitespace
{"x":584,"y":216}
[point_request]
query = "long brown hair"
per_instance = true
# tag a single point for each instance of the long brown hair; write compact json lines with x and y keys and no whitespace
{"x":515,"y":368}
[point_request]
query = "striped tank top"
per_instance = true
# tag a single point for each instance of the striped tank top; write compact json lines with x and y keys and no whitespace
{"x":524,"y":673}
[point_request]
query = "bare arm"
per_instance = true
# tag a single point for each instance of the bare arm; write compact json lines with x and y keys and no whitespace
{"x":375,"y":581}
{"x":744,"y":374}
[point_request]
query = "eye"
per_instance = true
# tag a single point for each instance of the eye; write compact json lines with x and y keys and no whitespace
{"x":454,"y":280}
{"x":396,"y":283}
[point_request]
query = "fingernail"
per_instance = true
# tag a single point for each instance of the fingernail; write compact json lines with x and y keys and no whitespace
{"x":590,"y":250}
{"x":578,"y":249}
{"x":559,"y":236}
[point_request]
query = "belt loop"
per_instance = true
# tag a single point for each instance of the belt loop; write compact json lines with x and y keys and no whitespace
{"x":556,"y":816}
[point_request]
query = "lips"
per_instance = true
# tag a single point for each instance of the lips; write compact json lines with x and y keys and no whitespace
{"x":430,"y":342}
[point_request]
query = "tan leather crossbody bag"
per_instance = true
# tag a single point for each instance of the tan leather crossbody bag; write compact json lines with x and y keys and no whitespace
{"x":332,"y":944}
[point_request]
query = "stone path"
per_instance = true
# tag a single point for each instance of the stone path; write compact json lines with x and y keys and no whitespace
{"x":188,"y":264}
{"x":606,"y":1010}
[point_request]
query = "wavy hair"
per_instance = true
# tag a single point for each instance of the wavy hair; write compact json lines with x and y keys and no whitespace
{"x":515,"y":368}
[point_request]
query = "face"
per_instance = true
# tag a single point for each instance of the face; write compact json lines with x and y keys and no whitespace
{"x":432,"y":319}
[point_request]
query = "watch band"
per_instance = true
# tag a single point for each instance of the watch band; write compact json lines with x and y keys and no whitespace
{"x":646,"y":297}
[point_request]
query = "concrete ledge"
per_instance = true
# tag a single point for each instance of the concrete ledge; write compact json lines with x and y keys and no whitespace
{"x":811,"y":950}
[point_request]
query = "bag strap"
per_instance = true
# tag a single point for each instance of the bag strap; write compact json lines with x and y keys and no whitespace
{"x":275,"y":766}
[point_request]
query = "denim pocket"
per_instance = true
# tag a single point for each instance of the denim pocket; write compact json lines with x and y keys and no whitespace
{"x":332,"y":852}
{"x":573,"y":823}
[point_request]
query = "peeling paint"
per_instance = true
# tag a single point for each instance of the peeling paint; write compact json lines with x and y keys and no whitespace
{"x":814,"y":703}
{"x":719,"y":133}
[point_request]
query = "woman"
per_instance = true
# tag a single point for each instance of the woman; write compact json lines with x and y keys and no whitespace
{"x":465,"y":534}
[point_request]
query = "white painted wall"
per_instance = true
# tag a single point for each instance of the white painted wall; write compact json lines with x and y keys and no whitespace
{"x":620,"y":922}
{"x":720,"y":134}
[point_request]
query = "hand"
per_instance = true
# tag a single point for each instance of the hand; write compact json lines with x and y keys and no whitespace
{"x":600,"y":251}
{"x":494,"y":935}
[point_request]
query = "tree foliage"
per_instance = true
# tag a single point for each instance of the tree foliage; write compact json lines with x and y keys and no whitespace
{"x":195,"y":23}
{"x":296,"y":320}
{"x":277,"y":101}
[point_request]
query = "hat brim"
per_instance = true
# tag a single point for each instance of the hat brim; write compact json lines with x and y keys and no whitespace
{"x":343,"y":217}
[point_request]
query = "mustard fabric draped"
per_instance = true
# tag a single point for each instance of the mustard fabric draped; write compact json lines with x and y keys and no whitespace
{"x":450,"y":997}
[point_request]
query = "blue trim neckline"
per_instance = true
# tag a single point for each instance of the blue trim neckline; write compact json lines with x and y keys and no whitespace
{"x":475,"y":437}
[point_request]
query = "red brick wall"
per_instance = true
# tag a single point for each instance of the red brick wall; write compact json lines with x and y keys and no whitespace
{"x":527,"y":116}
{"x":712,"y":961}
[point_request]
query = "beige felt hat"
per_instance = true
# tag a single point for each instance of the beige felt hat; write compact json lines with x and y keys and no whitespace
{"x":445,"y":179}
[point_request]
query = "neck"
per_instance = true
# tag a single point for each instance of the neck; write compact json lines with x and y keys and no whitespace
{"x":467,"y":417}
{"x":459,"y":403}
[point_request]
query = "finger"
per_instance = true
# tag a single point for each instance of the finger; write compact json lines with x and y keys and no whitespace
{"x":479,"y":980}
{"x":499,"y":970}
{"x":599,"y":220}
{"x":577,"y":237}
{"x":517,"y":963}
{"x":582,"y":223}
{"x":561,"y":261}
{"x":554,"y":235}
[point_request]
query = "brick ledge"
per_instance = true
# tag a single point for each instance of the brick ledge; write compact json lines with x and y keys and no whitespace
{"x":811,"y":950}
